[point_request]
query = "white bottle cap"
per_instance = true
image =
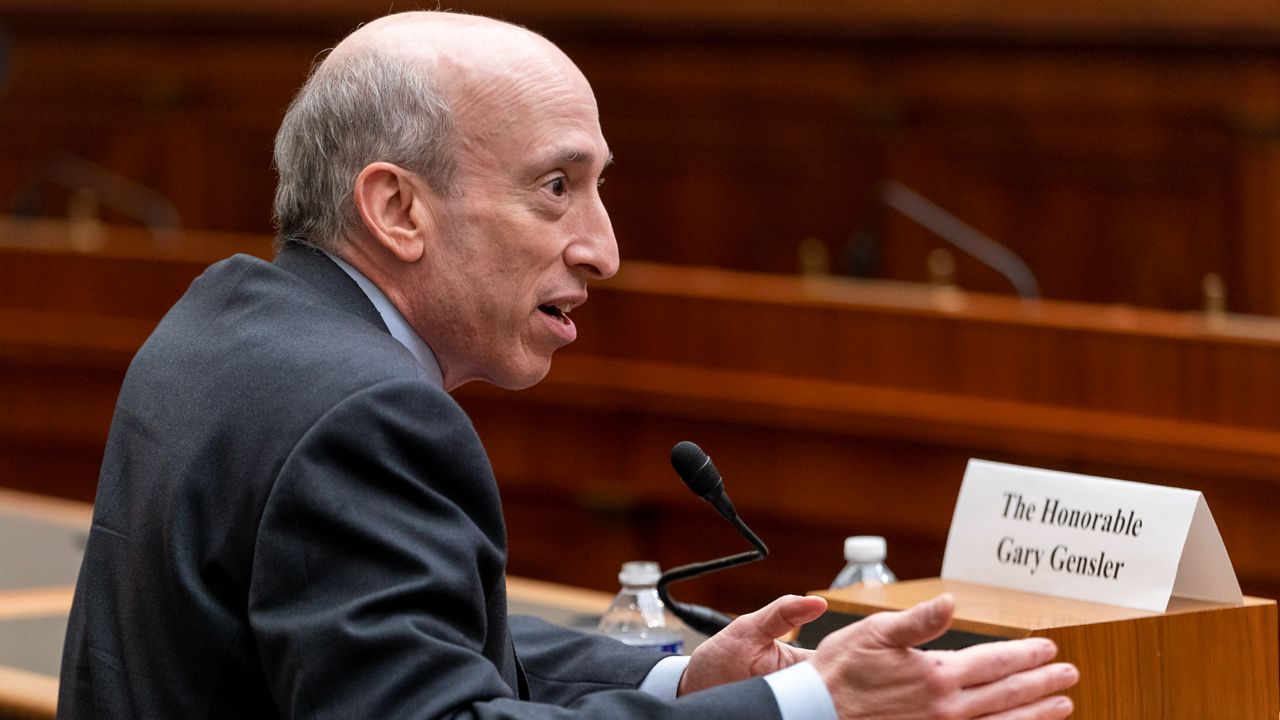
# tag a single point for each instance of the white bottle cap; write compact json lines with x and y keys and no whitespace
{"x":639,"y":572}
{"x":864,"y":549}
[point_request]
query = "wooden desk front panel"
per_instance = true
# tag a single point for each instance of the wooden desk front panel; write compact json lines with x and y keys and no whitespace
{"x":1196,"y":661}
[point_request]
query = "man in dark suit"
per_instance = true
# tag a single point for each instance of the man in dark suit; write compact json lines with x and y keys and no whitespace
{"x":294,"y":519}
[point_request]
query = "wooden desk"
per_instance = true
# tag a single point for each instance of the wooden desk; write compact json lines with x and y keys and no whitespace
{"x":32,"y":623}
{"x":1196,"y":661}
{"x":42,"y":541}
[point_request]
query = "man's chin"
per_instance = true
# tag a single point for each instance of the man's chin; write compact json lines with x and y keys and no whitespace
{"x":523,"y":376}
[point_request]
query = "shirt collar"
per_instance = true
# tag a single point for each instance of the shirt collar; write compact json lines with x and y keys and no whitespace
{"x":399,"y":327}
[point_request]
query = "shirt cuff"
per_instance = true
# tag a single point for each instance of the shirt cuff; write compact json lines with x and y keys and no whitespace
{"x":801,"y":694}
{"x":663,"y":679}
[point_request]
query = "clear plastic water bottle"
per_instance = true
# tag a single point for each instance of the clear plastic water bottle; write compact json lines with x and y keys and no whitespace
{"x":637,"y":616}
{"x":864,"y":557}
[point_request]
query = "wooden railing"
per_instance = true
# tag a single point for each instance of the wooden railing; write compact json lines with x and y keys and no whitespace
{"x":832,"y":407}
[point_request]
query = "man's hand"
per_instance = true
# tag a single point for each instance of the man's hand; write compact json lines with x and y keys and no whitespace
{"x":749,"y":647}
{"x":872,"y":671}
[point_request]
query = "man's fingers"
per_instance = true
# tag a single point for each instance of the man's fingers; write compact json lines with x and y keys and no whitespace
{"x":1053,"y":708}
{"x":918,"y":624}
{"x":981,"y":664}
{"x":1024,"y":695}
{"x":780,"y":617}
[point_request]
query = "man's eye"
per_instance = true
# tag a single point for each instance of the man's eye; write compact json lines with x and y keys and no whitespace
{"x":559,"y":186}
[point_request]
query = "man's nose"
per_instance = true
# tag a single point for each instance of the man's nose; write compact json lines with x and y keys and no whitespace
{"x":594,"y":252}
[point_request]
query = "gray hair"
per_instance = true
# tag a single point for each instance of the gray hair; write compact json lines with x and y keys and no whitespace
{"x":356,"y":110}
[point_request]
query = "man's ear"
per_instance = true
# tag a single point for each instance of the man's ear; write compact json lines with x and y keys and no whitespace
{"x":394,"y":205}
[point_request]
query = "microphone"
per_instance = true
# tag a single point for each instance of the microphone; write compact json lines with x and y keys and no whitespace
{"x":695,"y":468}
{"x":698,"y":472}
{"x":68,"y":171}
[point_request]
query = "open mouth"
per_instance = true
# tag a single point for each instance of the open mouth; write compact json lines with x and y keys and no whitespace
{"x":557,"y":312}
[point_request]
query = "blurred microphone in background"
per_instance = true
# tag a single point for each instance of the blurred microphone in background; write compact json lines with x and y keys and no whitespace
{"x":863,"y":247}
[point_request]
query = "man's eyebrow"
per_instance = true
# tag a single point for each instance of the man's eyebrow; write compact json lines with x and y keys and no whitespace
{"x":573,"y":157}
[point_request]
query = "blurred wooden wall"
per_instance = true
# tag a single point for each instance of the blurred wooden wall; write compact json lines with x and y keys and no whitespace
{"x":1124,"y":149}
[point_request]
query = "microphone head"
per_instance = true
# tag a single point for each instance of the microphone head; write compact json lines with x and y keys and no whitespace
{"x":695,"y":468}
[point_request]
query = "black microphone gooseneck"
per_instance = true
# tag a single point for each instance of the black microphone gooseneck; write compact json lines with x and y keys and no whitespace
{"x":697,"y":471}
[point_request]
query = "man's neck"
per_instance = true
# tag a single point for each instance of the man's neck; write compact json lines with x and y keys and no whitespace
{"x":396,"y":324}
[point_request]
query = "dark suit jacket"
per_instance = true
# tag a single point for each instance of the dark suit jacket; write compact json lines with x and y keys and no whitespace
{"x":291,"y":521}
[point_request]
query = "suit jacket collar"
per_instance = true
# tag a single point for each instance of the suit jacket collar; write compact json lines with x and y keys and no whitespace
{"x":316,"y":268}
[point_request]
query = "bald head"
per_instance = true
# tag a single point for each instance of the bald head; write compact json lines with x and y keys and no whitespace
{"x":479,"y":64}
{"x":404,"y":89}
{"x":463,"y":43}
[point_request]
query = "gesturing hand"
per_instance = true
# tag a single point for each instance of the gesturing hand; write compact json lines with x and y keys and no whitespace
{"x":872,"y":671}
{"x":748,"y":646}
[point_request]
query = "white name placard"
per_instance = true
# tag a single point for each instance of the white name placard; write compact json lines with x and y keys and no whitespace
{"x":1086,"y":538}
